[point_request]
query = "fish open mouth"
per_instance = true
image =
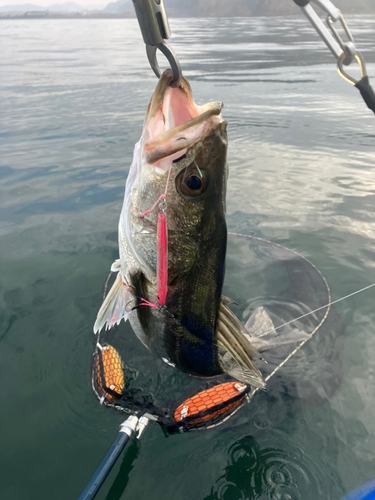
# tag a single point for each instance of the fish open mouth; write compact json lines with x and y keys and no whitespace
{"x":174,"y":122}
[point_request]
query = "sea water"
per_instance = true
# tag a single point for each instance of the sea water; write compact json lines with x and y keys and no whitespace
{"x":73,"y":95}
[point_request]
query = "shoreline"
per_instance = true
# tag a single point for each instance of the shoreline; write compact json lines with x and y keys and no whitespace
{"x":45,"y":15}
{"x":32,"y":16}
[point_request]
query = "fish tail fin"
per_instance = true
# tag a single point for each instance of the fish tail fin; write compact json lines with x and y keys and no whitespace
{"x":113,"y":309}
{"x":236,"y":358}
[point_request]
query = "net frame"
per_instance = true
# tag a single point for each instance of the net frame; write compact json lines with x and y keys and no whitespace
{"x":215,"y":412}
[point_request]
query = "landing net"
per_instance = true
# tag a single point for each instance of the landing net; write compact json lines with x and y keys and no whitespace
{"x":275,"y":283}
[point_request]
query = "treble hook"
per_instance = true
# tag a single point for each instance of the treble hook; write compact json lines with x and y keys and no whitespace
{"x":155,"y":30}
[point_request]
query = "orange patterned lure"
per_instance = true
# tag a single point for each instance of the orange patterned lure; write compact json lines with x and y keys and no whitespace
{"x":108,"y":373}
{"x":207,"y":406}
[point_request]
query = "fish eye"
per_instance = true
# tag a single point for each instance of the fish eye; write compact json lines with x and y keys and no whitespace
{"x":194,"y":183}
{"x":191,"y":182}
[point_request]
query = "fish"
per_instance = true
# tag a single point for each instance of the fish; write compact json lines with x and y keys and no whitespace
{"x":179,"y":176}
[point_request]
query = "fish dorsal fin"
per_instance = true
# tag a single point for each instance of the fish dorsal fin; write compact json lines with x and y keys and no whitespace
{"x":113,"y":309}
{"x":230,"y":366}
{"x":227,"y":300}
{"x":233,"y":339}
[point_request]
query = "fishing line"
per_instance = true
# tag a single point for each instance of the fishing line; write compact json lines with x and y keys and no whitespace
{"x":199,"y":170}
{"x":311,"y":335}
{"x":162,"y":197}
{"x":106,"y":285}
{"x":320,"y":308}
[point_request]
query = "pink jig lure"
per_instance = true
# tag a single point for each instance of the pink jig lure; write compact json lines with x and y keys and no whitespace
{"x":162,"y":265}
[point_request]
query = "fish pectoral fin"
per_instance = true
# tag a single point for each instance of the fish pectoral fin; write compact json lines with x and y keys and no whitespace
{"x":260,"y":324}
{"x":113,"y":309}
{"x":238,"y":353}
{"x":264,"y":335}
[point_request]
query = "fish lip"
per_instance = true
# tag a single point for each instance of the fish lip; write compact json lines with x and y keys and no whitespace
{"x":173,"y":121}
{"x":153,"y":153}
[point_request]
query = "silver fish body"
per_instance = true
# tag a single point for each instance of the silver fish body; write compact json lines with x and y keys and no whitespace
{"x":182,"y":154}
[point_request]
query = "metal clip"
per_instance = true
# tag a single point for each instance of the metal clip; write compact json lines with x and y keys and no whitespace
{"x":172,"y":59}
{"x":142,"y":424}
{"x":129,"y":426}
{"x":328,"y":6}
{"x":155,"y":29}
{"x":163,"y":206}
{"x":334,"y":43}
{"x":348,"y":48}
{"x":152,"y":21}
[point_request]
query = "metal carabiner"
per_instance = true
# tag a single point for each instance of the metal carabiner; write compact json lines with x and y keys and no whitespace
{"x":336,"y":33}
{"x":330,"y":9}
{"x":345,"y":53}
{"x":348,"y":48}
{"x":334,"y":43}
{"x":155,"y":30}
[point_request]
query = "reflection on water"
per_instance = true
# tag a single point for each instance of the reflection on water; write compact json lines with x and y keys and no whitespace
{"x":301,"y":156}
{"x":122,"y":478}
{"x":268,"y":472}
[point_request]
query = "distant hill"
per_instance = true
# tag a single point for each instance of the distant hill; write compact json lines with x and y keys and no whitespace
{"x":60,"y":7}
{"x":241,"y":8}
{"x":119,"y":7}
{"x":201,"y":8}
{"x":69,"y":7}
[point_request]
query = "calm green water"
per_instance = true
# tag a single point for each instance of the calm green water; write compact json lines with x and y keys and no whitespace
{"x":302,"y":173}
